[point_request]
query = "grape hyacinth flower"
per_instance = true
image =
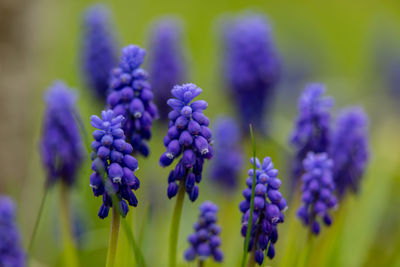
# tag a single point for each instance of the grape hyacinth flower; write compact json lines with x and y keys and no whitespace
{"x":11,"y":251}
{"x":228,"y":160}
{"x":188,"y":135}
{"x":251,"y":66}
{"x":112,"y":160}
{"x":312,"y":128}
{"x":350,"y":149}
{"x":269,"y":206}
{"x":99,"y":52}
{"x":61,"y":143}
{"x":317,"y":191}
{"x":131,"y":96}
{"x":205,"y":241}
{"x":166,"y":61}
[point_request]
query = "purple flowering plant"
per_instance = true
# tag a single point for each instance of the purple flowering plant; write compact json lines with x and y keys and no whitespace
{"x":111,"y":156}
{"x":131,"y":96}
{"x":166,"y":60}
{"x":205,"y":241}
{"x":99,"y":51}
{"x":318,"y":197}
{"x":188,"y":136}
{"x":267,"y":212}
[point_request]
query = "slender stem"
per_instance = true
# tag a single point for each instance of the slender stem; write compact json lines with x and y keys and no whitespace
{"x":253,"y":187}
{"x":174,"y":230}
{"x":112,"y":246}
{"x":35,"y":228}
{"x":138,"y":253}
{"x":201,"y":263}
{"x":70,"y":255}
{"x":305,"y":256}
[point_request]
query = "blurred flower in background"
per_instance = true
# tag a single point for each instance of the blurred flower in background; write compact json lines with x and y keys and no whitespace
{"x":317,"y":191}
{"x":251,"y":66}
{"x":61,"y":144}
{"x":167,"y":62}
{"x":11,"y":251}
{"x":205,"y":242}
{"x":311,"y":131}
{"x":228,"y":160}
{"x":350,"y":149}
{"x":99,"y":49}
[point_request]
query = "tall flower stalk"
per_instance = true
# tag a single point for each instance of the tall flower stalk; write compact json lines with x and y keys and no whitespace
{"x":188,"y":135}
{"x":113,"y":173}
{"x":62,"y":154}
{"x":262,"y":210}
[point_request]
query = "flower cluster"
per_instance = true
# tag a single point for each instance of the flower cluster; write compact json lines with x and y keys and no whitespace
{"x":228,"y":159}
{"x":205,"y":241}
{"x":11,"y":252}
{"x":251,"y":66}
{"x":99,"y":49}
{"x":131,"y":96}
{"x":166,"y":61}
{"x":268,"y":209}
{"x":189,"y":135}
{"x":113,"y":166}
{"x":61,"y":143}
{"x":350,"y":149}
{"x":317,"y":191}
{"x":312,"y":129}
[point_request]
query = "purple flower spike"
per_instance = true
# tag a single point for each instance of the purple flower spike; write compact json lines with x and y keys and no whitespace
{"x":228,"y":160}
{"x":312,"y":128}
{"x":131,"y":96}
{"x":61,"y":143}
{"x":350,"y":150}
{"x":166,"y":60}
{"x":11,"y":251}
{"x":188,"y":136}
{"x":113,"y":166}
{"x":251,"y":65}
{"x":317,"y":191}
{"x":99,"y":49}
{"x":269,"y":206}
{"x":205,"y":241}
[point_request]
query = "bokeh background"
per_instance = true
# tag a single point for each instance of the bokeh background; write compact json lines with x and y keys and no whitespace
{"x":351,"y":46}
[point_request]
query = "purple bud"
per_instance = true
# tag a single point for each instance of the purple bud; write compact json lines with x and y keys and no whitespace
{"x":172,"y":190}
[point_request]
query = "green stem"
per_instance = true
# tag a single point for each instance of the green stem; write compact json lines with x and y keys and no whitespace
{"x":35,"y":228}
{"x":253,"y":187}
{"x":112,"y":247}
{"x":138,"y":254}
{"x":201,"y":263}
{"x":70,"y":255}
{"x":305,"y":256}
{"x":174,"y":230}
